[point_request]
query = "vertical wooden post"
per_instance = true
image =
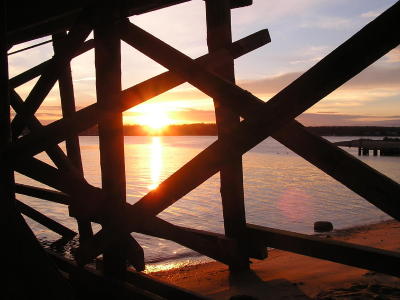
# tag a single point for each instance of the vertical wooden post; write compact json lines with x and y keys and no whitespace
{"x":111,"y":138}
{"x":6,"y":173}
{"x":7,"y":196}
{"x":68,"y":108}
{"x":219,"y":35}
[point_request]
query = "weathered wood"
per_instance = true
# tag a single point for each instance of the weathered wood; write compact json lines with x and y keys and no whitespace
{"x":85,"y":118}
{"x":76,"y":37}
{"x":365,"y":257}
{"x":68,"y":108}
{"x":36,"y":71}
{"x":44,"y":220}
{"x":219,"y":35}
{"x":111,"y":136}
{"x":42,"y":193}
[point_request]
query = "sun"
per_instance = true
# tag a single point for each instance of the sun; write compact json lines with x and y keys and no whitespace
{"x":154,"y":119}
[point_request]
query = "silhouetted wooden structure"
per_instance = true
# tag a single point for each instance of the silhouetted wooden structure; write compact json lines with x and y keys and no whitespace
{"x":214,"y":75}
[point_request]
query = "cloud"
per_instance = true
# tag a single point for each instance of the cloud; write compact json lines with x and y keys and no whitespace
{"x":375,"y":77}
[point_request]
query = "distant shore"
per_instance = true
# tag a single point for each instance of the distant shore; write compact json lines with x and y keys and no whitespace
{"x":205,"y":129}
{"x":285,"y":275}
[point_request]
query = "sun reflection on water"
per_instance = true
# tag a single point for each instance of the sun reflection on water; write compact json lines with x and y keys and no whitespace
{"x":155,"y":162}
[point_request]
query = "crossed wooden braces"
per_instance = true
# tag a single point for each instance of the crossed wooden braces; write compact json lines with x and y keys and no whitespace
{"x":261,"y":119}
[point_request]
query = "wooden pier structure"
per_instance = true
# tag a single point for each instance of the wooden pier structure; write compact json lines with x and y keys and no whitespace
{"x":386,"y":147}
{"x":36,"y":272}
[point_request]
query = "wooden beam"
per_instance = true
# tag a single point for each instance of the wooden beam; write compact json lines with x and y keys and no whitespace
{"x":79,"y":191}
{"x":219,"y":35}
{"x":215,"y":246}
{"x":111,"y":136}
{"x":76,"y":37}
{"x":240,"y":3}
{"x":68,"y":108}
{"x":38,"y":70}
{"x":44,"y":220}
{"x":42,"y":193}
{"x":263,"y":118}
{"x":85,"y":118}
{"x":6,"y":172}
{"x":378,"y":260}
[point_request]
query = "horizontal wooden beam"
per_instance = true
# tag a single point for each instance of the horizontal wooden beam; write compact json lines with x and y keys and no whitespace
{"x":42,"y":193}
{"x":213,"y":245}
{"x":374,"y":259}
{"x":44,"y":220}
{"x":85,"y":118}
{"x":36,"y":71}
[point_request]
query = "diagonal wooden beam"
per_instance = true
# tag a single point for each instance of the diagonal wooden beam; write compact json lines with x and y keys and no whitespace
{"x":58,"y":131}
{"x":79,"y":32}
{"x":38,"y":70}
{"x":44,"y":220}
{"x":42,"y":193}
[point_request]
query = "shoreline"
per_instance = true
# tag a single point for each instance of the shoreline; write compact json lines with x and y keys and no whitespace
{"x":285,"y":275}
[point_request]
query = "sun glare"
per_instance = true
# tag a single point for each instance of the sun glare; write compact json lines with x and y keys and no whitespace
{"x":156,"y":119}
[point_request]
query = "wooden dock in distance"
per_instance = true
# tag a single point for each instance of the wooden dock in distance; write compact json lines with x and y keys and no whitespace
{"x":214,"y":75}
{"x":386,"y":146}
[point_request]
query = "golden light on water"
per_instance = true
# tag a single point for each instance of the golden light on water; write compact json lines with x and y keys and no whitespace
{"x":155,"y":162}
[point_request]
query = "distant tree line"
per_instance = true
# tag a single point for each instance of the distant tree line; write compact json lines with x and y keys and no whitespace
{"x":202,"y":129}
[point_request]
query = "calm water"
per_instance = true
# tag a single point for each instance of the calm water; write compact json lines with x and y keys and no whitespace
{"x":281,"y":190}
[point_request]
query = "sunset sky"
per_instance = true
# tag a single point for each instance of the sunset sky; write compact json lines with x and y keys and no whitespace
{"x":302,"y":32}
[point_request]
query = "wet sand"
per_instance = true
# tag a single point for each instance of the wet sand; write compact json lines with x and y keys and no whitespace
{"x":284,"y":275}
